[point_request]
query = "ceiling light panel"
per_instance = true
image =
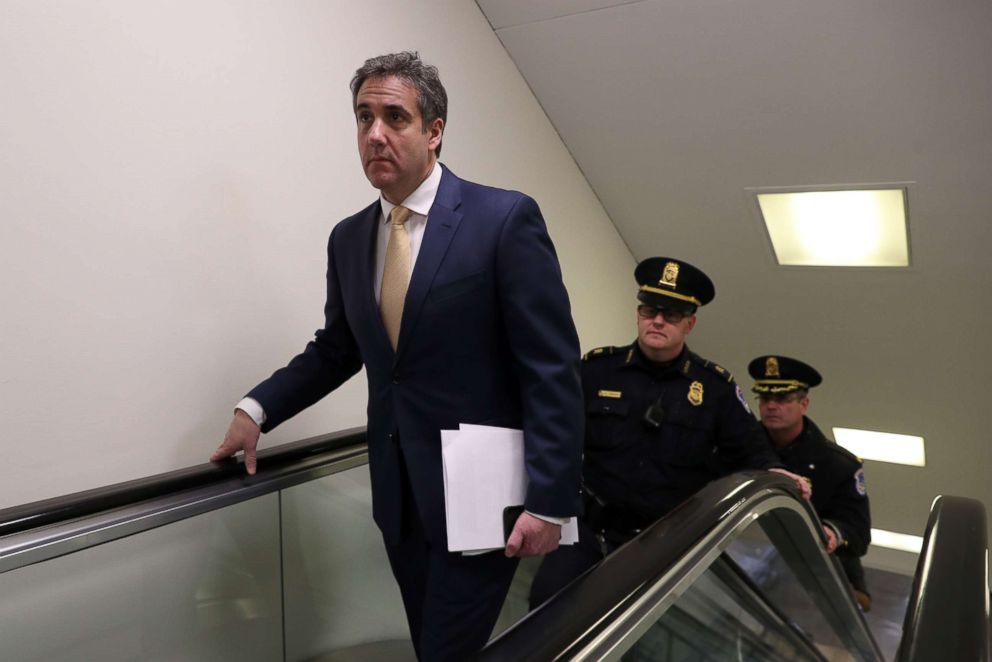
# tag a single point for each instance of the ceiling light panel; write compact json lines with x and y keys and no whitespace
{"x":839,"y":228}
{"x":892,"y":540}
{"x":883,"y":446}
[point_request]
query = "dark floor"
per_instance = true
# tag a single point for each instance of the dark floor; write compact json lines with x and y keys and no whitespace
{"x":889,"y":596}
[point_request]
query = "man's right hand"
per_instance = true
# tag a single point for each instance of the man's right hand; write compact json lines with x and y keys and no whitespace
{"x":532,"y":536}
{"x":832,"y":541}
{"x":242,"y":435}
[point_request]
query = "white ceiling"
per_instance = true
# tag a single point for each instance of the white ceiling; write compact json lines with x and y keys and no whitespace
{"x":673,"y":110}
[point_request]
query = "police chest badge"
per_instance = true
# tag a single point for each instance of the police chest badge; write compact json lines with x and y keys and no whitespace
{"x":695,"y":395}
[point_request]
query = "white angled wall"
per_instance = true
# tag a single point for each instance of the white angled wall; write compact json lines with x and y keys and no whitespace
{"x":169,"y":173}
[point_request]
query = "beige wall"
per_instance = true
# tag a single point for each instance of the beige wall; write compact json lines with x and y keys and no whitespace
{"x":169,"y":174}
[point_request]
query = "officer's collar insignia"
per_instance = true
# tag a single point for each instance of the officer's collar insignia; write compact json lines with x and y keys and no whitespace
{"x":630,"y":356}
{"x":686,"y":366}
{"x":695,"y":395}
{"x":603,"y":393}
{"x":771,"y":367}
{"x":670,"y":275}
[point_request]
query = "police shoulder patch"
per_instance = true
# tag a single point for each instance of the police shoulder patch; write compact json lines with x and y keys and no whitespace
{"x":716,"y":369}
{"x":600,"y":352}
{"x":859,"y":482}
{"x":742,"y":399}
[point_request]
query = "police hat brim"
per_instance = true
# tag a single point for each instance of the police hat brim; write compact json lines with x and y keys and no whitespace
{"x":662,"y":300}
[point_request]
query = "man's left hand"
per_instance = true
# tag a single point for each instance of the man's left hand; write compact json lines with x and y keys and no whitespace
{"x":801,"y":483}
{"x":532,"y":536}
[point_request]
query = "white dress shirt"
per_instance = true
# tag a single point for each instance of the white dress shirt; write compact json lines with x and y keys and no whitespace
{"x":419,"y":202}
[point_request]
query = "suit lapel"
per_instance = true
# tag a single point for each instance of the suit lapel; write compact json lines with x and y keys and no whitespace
{"x":442,"y":222}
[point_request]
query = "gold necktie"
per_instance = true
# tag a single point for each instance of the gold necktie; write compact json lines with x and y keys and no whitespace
{"x":395,"y":274}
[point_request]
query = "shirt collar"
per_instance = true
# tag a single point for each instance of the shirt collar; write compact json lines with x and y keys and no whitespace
{"x":422,"y":198}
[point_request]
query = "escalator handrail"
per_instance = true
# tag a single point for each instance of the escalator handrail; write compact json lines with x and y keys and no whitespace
{"x":571,"y":620}
{"x":47,"y":529}
{"x":79,"y":504}
{"x":948,"y":612}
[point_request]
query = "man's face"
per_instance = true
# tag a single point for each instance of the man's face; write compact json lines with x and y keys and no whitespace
{"x":782,"y":411}
{"x":397,"y":152}
{"x":660,"y":337}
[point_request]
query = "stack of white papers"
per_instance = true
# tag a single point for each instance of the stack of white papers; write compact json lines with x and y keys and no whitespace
{"x":484,"y":473}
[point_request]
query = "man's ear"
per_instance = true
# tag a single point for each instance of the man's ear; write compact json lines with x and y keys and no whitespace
{"x":690,"y":323}
{"x":436,"y":129}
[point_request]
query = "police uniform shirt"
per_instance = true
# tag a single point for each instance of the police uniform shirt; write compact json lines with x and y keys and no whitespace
{"x":840,"y":497}
{"x":700,"y":428}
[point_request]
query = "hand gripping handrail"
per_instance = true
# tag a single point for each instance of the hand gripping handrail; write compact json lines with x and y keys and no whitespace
{"x":46,"y":529}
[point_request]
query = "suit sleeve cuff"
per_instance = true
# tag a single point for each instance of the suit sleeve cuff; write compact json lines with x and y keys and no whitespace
{"x":560,"y":521}
{"x":254,"y":410}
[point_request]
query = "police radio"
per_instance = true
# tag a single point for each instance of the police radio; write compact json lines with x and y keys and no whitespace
{"x":654,"y":415}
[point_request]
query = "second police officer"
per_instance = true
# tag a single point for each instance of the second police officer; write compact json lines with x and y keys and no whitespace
{"x":840,"y":497}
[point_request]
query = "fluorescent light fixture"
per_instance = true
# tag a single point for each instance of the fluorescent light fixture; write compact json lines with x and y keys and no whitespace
{"x":850,"y":228}
{"x":892,"y":540}
{"x":883,"y":446}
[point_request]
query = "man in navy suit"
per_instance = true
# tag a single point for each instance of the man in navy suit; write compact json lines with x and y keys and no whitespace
{"x":484,"y":336}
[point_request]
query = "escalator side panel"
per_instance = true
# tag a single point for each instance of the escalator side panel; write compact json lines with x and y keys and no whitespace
{"x":205,"y":588}
{"x":340,"y":592}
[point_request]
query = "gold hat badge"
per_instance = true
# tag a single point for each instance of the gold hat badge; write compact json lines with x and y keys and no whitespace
{"x":771,"y":367}
{"x":670,"y":275}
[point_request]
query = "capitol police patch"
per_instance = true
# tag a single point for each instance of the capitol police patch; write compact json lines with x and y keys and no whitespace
{"x":743,"y":400}
{"x":859,"y":482}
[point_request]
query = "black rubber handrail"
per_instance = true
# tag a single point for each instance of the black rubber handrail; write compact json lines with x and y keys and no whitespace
{"x":586,"y":604}
{"x":947,"y":617}
{"x":80,"y":504}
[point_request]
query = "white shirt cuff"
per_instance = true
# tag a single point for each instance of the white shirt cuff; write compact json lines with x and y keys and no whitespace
{"x":560,"y":521}
{"x":251,"y":407}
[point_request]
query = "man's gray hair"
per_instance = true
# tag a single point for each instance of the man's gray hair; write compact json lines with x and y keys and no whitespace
{"x":432,"y":100}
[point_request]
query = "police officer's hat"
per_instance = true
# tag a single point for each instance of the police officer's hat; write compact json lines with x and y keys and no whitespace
{"x":780,"y":374}
{"x":669,"y":283}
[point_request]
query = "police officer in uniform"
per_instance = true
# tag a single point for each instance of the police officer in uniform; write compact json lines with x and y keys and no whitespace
{"x":661,"y":422}
{"x":838,"y":479}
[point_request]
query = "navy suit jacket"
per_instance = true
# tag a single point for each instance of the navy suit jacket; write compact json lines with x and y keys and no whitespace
{"x":486,"y":337}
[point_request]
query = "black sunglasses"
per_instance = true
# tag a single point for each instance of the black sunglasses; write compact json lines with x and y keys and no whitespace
{"x":671,"y":315}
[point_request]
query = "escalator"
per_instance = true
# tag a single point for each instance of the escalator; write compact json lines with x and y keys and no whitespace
{"x":209,"y":564}
{"x":739,"y":572}
{"x":204,"y":563}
